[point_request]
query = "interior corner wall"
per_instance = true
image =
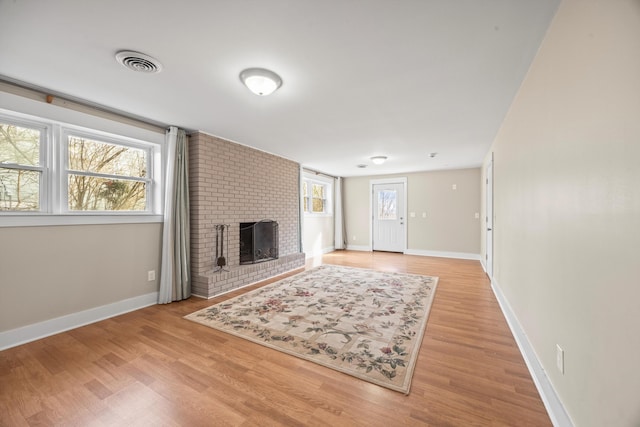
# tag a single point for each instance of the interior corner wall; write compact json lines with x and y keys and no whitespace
{"x":567,"y":209}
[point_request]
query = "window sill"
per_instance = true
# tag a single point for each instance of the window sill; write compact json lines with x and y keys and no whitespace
{"x":84,"y":219}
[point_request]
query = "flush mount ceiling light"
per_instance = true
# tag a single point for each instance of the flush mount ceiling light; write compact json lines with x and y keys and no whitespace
{"x":260,"y":81}
{"x":378,"y":160}
{"x":139,"y":62}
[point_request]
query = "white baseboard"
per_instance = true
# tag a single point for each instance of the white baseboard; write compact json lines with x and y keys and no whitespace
{"x":442,"y":254}
{"x":25,"y":334}
{"x":359,"y":248}
{"x":552,"y":402}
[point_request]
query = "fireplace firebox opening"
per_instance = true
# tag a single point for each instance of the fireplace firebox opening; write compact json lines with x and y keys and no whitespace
{"x":258,"y":241}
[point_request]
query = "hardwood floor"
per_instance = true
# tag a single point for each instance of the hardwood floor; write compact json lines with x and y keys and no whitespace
{"x":153,"y":368}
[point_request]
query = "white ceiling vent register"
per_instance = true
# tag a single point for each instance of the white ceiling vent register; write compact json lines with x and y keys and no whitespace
{"x":137,"y":61}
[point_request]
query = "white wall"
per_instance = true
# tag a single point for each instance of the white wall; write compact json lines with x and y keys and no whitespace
{"x":567,"y":209}
{"x":318,"y":235}
{"x":319,"y":230}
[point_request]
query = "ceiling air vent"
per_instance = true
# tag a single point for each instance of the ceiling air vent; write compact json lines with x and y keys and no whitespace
{"x":137,"y":61}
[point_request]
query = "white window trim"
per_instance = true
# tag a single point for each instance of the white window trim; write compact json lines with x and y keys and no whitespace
{"x":43,"y":220}
{"x":64,"y":173}
{"x":53,"y":209}
{"x":45,"y":130}
{"x":328,"y":183}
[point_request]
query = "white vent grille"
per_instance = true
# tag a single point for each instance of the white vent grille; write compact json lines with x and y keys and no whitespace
{"x":139,"y":62}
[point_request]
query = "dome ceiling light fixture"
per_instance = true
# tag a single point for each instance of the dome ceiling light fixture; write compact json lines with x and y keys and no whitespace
{"x":432,"y":155}
{"x":260,"y":81}
{"x":378,"y":160}
{"x":139,"y":62}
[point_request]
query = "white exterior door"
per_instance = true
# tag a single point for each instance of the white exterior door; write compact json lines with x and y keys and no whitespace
{"x":389,"y":220}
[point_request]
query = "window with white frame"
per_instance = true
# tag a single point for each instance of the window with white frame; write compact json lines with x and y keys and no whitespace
{"x":103,"y":175}
{"x":54,"y":168}
{"x":22,"y":166}
{"x":316,"y":196}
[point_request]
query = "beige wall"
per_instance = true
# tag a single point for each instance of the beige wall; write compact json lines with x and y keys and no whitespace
{"x":48,"y":272}
{"x":450,"y":224}
{"x":567,"y":208}
{"x":356,"y":211}
{"x":52,"y":271}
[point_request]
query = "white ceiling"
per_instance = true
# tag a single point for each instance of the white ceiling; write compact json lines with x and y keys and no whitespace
{"x":400,"y":78}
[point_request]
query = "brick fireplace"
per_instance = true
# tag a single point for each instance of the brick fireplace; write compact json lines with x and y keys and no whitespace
{"x":233,"y":184}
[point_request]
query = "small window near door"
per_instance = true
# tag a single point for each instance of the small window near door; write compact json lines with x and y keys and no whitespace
{"x":316,"y":197}
{"x":387,"y":205}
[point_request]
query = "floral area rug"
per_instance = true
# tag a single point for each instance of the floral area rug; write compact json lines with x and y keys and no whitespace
{"x":364,"y":323}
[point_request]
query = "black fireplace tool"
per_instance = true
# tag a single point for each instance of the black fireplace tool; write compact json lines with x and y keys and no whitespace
{"x":221,"y":261}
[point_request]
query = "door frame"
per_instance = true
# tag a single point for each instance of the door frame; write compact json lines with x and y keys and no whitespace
{"x":489,"y":225}
{"x":398,"y":180}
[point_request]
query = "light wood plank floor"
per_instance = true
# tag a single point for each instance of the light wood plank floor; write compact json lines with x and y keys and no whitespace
{"x":153,"y":368}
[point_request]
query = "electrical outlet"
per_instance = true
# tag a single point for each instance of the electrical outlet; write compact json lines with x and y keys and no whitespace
{"x":560,"y":358}
{"x":151,"y":275}
{"x":354,"y":237}
{"x":477,"y":215}
{"x":424,"y":214}
{"x":454,"y":187}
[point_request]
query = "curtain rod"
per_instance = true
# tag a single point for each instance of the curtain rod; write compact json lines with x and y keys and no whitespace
{"x":318,"y":173}
{"x":37,"y":93}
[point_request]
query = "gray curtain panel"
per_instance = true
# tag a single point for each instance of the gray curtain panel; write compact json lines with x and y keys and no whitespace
{"x":175,"y":276}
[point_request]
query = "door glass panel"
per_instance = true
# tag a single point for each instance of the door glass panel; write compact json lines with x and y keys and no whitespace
{"x":387,"y":206}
